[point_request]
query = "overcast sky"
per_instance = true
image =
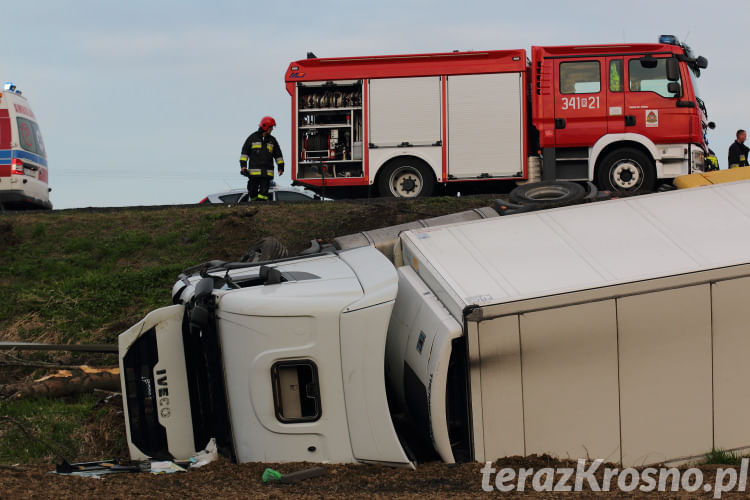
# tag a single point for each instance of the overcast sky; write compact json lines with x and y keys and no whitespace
{"x":148,"y":102}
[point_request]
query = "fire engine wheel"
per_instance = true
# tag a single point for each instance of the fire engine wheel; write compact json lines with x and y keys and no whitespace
{"x":627,"y":171}
{"x":406,"y":178}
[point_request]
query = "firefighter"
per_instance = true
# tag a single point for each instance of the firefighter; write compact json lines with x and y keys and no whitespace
{"x":711,"y":162}
{"x":738,"y":151}
{"x":259,"y":152}
{"x":615,"y":82}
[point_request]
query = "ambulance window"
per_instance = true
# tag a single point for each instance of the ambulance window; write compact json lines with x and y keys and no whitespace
{"x":649,"y":79}
{"x":30,"y":137}
{"x":615,"y":76}
{"x":296,"y":391}
{"x":580,"y":77}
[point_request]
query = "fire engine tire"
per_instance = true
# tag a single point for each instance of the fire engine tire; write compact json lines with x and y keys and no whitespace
{"x":548,"y":194}
{"x":406,"y":178}
{"x":268,"y":248}
{"x":626,"y":171}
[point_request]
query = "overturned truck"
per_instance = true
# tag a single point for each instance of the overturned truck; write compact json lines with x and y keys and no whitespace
{"x":614,"y":330}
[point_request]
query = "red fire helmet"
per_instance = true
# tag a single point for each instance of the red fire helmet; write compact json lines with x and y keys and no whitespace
{"x":266,"y":123}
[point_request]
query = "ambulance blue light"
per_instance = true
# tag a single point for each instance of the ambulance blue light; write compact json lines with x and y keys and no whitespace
{"x":669,"y":39}
{"x":9,"y":86}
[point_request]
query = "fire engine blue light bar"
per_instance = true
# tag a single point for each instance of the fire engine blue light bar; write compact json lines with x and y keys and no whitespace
{"x":669,"y":39}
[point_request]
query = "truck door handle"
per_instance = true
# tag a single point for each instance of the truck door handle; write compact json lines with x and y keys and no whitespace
{"x":629,"y":120}
{"x":559,"y":123}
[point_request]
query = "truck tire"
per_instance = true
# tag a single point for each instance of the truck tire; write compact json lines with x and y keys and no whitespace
{"x":268,"y":248}
{"x":548,"y":194}
{"x":406,"y":178}
{"x":626,"y":171}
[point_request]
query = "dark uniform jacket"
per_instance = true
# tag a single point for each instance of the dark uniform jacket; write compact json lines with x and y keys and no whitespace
{"x":259,"y":154}
{"x":738,"y":155}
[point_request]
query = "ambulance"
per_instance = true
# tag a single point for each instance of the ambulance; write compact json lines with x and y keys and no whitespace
{"x":24,"y":175}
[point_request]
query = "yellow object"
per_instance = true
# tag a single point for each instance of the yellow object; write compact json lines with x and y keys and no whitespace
{"x":715,"y":177}
{"x":690,"y":181}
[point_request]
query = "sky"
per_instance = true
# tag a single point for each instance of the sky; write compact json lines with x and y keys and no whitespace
{"x":149,"y":102}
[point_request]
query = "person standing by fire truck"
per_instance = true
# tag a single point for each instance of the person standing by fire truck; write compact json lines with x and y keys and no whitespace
{"x":738,"y":151}
{"x":259,"y":152}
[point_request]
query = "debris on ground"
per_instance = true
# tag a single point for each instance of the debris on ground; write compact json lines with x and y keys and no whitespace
{"x":167,"y":467}
{"x":270,"y":475}
{"x":206,"y":456}
{"x":93,"y":469}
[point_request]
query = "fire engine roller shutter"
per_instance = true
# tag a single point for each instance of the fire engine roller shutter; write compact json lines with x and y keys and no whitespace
{"x":485,"y":125}
{"x":405,"y":110}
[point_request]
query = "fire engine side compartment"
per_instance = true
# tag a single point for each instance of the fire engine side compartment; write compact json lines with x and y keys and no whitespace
{"x":463,"y":114}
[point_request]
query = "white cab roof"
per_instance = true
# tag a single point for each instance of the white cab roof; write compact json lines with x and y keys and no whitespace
{"x":537,"y":254}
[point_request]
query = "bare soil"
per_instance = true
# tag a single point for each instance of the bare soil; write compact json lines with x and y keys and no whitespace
{"x":223,"y":479}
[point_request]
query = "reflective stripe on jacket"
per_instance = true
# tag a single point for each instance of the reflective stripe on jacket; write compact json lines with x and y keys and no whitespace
{"x":259,"y":153}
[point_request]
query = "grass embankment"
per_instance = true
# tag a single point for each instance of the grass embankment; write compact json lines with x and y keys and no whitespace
{"x":84,"y":276}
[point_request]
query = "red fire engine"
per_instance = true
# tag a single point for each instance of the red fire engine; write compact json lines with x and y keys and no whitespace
{"x":622,"y":116}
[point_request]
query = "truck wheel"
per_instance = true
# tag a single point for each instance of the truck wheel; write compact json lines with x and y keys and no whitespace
{"x":626,"y":171}
{"x":268,"y":248}
{"x":548,"y":193}
{"x":406,"y":178}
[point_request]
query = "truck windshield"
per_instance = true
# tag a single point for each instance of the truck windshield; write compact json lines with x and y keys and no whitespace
{"x":696,"y":90}
{"x":694,"y":81}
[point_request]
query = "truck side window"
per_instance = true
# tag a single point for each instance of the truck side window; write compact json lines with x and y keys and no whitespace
{"x":615,"y":76}
{"x":580,"y":77}
{"x":296,"y":391}
{"x":644,"y":79}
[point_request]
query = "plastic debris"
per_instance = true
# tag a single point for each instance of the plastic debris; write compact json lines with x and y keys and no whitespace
{"x":165,"y":467}
{"x":301,"y":475}
{"x":206,"y":456}
{"x":93,"y":469}
{"x":293,"y":477}
{"x":271,"y":475}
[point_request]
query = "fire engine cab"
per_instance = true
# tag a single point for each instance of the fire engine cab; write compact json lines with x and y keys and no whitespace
{"x":23,"y":159}
{"x":621,"y":116}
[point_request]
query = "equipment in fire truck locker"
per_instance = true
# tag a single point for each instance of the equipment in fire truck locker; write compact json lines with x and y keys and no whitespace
{"x":330,"y":129}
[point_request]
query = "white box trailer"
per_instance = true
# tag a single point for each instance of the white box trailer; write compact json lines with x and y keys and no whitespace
{"x":617,"y":330}
{"x":612,"y":330}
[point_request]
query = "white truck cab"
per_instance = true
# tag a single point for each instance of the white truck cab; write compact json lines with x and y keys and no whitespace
{"x":24,"y":177}
{"x":279,"y":362}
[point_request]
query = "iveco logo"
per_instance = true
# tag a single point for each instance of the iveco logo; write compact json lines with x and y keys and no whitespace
{"x":163,"y":393}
